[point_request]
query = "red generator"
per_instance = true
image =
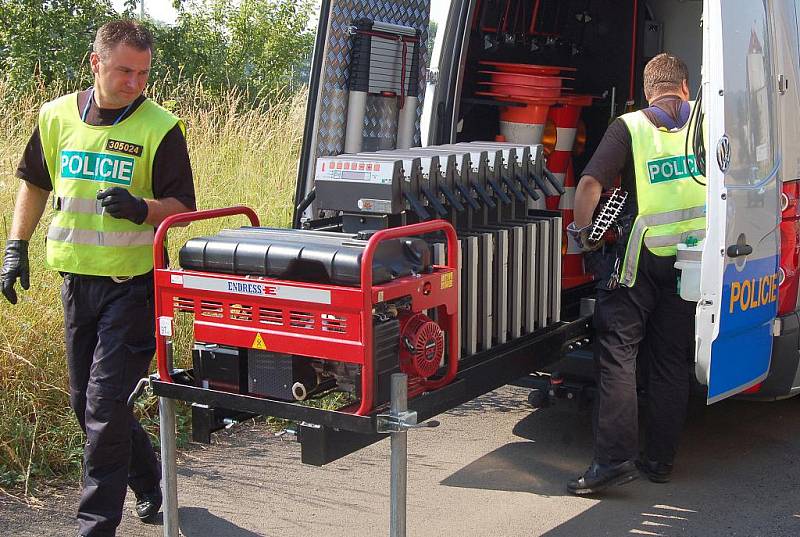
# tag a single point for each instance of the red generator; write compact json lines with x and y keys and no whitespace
{"x":284,"y":314}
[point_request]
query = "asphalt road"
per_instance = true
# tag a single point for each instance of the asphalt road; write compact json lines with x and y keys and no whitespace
{"x":493,"y":468}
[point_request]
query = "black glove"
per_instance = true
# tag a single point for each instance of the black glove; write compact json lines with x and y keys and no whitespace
{"x":120,"y":203}
{"x":15,"y":265}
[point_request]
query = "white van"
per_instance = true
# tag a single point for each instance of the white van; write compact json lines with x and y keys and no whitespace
{"x":744,"y":63}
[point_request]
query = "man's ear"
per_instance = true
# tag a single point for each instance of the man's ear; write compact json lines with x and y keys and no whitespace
{"x":685,"y":90}
{"x":94,"y":62}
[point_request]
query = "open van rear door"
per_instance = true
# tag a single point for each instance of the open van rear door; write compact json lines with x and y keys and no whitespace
{"x":327,"y":109}
{"x":739,"y":274}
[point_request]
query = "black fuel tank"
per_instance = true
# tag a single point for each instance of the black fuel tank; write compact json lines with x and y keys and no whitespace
{"x":301,"y":255}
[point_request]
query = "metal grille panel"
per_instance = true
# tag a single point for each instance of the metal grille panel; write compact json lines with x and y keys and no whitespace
{"x":333,"y":101}
{"x":380,"y":124}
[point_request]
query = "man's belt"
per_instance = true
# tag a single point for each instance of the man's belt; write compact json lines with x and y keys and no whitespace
{"x":116,"y":279}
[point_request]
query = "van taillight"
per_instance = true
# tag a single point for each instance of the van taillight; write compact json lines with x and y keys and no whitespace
{"x":790,"y":249}
{"x":753,"y":389}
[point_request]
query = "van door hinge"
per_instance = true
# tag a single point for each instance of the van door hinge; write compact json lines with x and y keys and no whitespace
{"x":783,"y":84}
{"x":432,"y":76}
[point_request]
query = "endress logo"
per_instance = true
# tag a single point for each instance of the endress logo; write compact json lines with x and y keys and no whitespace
{"x":252,"y":288}
{"x":754,"y":293}
{"x":100,"y":167}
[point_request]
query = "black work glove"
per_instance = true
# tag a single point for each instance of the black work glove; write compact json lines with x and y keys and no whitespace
{"x":120,"y":203}
{"x":15,"y":265}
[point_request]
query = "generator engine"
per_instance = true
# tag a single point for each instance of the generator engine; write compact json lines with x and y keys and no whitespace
{"x":421,"y":345}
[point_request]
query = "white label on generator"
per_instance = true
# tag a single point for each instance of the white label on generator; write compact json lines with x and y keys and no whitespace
{"x":375,"y":206}
{"x":165,"y":326}
{"x":256,"y":288}
{"x":176,"y":279}
{"x":380,"y":172}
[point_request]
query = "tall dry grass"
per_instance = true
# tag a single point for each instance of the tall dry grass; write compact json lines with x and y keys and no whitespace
{"x":239,"y":156}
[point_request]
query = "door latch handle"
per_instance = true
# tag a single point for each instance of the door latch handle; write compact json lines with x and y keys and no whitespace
{"x":739,"y":250}
{"x":783,"y":84}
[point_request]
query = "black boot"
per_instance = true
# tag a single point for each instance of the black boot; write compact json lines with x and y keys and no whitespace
{"x":601,"y":476}
{"x":657,"y":472}
{"x":148,"y":504}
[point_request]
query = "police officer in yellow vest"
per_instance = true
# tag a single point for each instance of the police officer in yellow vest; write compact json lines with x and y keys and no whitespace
{"x":117,"y":165}
{"x":638,"y":312}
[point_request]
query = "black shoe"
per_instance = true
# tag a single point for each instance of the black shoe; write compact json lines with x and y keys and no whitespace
{"x":601,"y":476}
{"x":148,"y":504}
{"x":657,"y":472}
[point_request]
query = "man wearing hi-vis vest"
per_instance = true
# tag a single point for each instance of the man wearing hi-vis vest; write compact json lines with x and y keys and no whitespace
{"x":638,"y":311}
{"x":117,"y":165}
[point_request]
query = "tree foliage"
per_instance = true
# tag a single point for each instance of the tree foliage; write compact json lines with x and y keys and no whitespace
{"x":257,"y":46}
{"x":48,"y":40}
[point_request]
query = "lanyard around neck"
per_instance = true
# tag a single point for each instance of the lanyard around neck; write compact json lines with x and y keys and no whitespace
{"x":89,"y":104}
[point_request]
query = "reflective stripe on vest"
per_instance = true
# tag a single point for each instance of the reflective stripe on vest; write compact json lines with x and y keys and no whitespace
{"x":100,"y":238}
{"x":669,"y":240}
{"x":671,"y":204}
{"x":79,"y":205}
{"x":638,"y":236}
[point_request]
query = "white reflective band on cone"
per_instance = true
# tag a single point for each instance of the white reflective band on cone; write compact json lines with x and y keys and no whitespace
{"x":522,"y":133}
{"x":565,"y":139}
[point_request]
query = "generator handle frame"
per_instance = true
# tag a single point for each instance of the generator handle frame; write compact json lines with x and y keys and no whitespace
{"x":159,"y":263}
{"x":366,"y":317}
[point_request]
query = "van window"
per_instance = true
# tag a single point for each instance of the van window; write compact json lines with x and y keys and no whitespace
{"x":748,"y":84}
{"x":797,"y":23}
{"x":440,"y":11}
{"x":436,"y":25}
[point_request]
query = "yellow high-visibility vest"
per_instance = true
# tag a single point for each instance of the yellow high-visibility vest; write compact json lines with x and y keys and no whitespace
{"x":672,"y":205}
{"x":84,"y":159}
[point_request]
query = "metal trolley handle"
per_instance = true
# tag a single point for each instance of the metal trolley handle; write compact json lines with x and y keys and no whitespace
{"x":366,"y":290}
{"x":159,"y":263}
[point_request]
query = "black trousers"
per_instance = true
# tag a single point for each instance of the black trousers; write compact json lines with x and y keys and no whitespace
{"x":652,"y":322}
{"x":109,"y":333}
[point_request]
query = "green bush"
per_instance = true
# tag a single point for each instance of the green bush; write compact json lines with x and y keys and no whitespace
{"x":258,"y":47}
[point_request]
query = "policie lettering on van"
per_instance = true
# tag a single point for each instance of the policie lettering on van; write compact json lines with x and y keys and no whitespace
{"x":101,"y":167}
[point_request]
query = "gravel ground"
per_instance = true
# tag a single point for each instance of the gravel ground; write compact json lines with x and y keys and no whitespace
{"x":493,"y":468}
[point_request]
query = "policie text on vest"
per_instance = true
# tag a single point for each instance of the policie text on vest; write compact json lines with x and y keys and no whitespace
{"x":672,"y":168}
{"x":97,"y":167}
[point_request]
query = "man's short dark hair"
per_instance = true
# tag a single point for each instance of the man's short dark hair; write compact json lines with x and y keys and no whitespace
{"x":663,"y":74}
{"x":123,"y":31}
